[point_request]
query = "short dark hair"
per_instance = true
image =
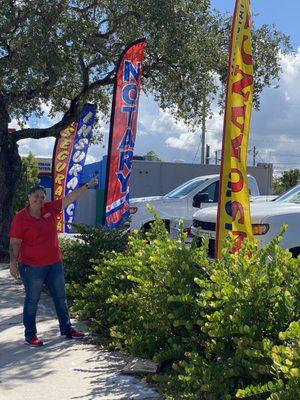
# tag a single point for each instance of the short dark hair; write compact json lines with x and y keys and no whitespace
{"x":36,"y":187}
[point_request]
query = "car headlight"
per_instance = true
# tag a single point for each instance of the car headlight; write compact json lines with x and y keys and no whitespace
{"x":133,"y":210}
{"x":260,"y":229}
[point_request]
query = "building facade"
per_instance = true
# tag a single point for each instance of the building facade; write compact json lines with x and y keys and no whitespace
{"x":148,"y":178}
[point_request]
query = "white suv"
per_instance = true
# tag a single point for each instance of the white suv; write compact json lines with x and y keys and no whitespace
{"x":267,"y":219}
{"x":181,"y":203}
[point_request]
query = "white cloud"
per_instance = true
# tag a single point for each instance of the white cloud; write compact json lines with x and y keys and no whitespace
{"x":39,"y":147}
{"x":275,"y":129}
{"x":16,"y":125}
{"x":184,"y":141}
{"x":50,"y":119}
{"x":190,"y":140}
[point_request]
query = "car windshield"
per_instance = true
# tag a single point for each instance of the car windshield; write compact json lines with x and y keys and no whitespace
{"x":291,"y":196}
{"x":185,"y":188}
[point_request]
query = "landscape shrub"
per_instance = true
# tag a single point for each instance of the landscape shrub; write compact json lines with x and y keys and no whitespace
{"x":144,"y":298}
{"x":79,"y":253}
{"x":218,"y":323}
{"x":285,"y":368}
{"x":249,"y":298}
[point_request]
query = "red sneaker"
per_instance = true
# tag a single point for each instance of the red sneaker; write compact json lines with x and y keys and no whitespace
{"x":74,"y":334}
{"x":34,"y":342}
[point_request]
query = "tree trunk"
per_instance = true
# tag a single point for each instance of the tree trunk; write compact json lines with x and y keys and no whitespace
{"x":10,"y":171}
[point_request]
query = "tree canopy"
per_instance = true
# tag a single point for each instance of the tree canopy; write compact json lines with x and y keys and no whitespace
{"x":151,"y":154}
{"x":286,"y":181}
{"x":64,"y":53}
{"x":28,"y":178}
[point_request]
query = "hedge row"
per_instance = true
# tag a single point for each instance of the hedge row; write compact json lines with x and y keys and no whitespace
{"x":221,"y":329}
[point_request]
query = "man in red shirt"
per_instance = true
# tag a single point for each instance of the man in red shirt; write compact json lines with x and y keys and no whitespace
{"x":36,"y":257}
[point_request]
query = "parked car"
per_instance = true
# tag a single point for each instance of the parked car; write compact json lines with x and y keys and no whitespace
{"x":267,"y":219}
{"x":182,"y":202}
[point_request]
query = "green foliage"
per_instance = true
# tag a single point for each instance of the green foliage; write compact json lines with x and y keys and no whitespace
{"x":91,"y":244}
{"x":51,"y":51}
{"x":277,"y":185}
{"x":29,"y":177}
{"x":153,"y":155}
{"x":250,"y":297}
{"x":145,"y":297}
{"x":58,"y":55}
{"x":286,"y":181}
{"x":285,"y":367}
{"x":225,"y":326}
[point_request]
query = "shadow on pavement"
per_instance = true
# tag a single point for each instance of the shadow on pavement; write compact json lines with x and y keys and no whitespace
{"x":24,"y":363}
{"x":61,"y":369}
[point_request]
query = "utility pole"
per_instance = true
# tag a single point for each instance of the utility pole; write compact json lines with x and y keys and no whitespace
{"x":254,"y":155}
{"x":216,"y":157}
{"x":203,"y":125}
{"x":207,"y":157}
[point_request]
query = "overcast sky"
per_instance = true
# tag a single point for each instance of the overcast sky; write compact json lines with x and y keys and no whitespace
{"x":275,"y":128}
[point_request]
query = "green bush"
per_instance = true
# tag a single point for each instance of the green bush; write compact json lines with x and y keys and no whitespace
{"x":285,"y":367}
{"x":216,"y":322}
{"x":92,"y":243}
{"x":145,"y":298}
{"x":248,"y":299}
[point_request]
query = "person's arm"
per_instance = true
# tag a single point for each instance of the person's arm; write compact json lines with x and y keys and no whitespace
{"x":14,"y":249}
{"x":76,"y":194}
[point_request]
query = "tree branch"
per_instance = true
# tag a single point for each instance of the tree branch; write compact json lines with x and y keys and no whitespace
{"x":108,"y":80}
{"x":34,"y":133}
{"x":70,"y":116}
{"x":157,"y":64}
{"x":114,"y":24}
{"x":115,"y":49}
{"x":28,"y":94}
{"x":85,"y":74}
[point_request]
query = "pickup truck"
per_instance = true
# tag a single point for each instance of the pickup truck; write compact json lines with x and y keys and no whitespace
{"x":181,"y":203}
{"x":266,"y":217}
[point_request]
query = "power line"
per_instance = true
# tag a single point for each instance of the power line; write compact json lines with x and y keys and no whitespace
{"x":285,"y":163}
{"x":283,"y":155}
{"x":197,"y":152}
{"x":261,"y":159}
{"x":277,"y":140}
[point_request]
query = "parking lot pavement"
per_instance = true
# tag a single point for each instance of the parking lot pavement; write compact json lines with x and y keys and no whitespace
{"x":61,"y":369}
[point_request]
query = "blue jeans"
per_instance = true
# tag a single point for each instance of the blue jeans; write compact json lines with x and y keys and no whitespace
{"x":33,"y":279}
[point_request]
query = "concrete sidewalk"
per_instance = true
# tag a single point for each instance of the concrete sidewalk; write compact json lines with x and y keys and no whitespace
{"x":61,"y":369}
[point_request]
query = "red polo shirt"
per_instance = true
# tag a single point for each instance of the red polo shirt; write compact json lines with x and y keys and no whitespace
{"x":39,"y":244}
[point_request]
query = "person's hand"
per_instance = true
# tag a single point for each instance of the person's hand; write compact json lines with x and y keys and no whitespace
{"x":93,"y":182}
{"x":14,"y":270}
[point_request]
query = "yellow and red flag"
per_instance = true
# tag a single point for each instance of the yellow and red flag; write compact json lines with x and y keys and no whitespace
{"x":233,"y":205}
{"x":69,"y":157}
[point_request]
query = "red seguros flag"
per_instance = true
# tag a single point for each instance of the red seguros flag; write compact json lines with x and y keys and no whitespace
{"x":122,"y":133}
